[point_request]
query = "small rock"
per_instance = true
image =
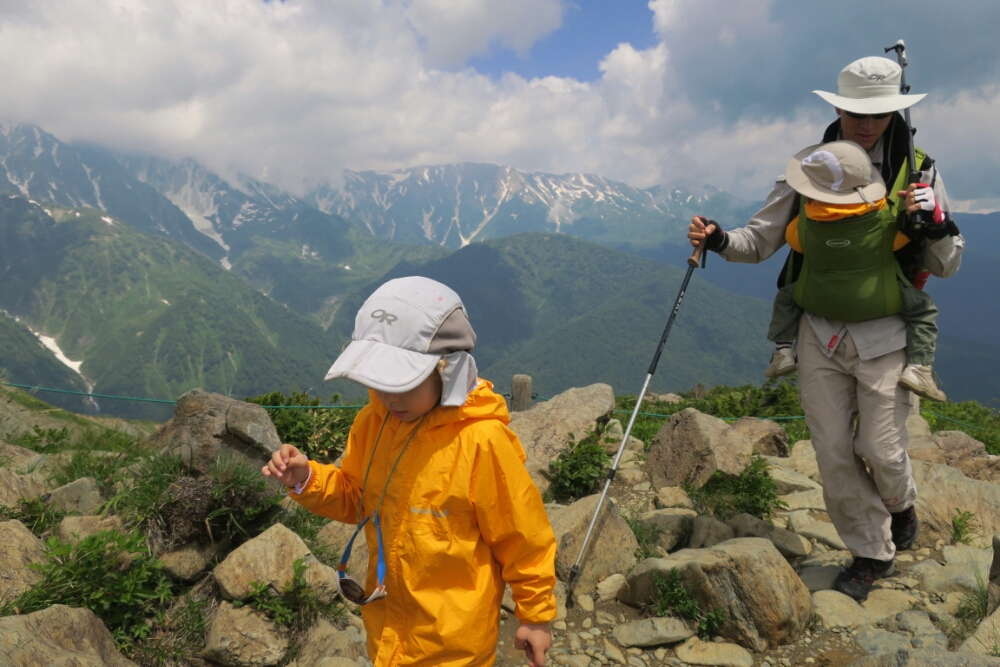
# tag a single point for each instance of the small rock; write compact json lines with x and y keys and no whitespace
{"x":837,"y":610}
{"x":585,"y":602}
{"x":708,"y":531}
{"x":820,"y":578}
{"x":80,"y":495}
{"x":608,"y":589}
{"x":876,"y":640}
{"x":673,"y":496}
{"x":613,"y":653}
{"x":653,"y":632}
{"x":884,"y":603}
{"x":696,"y":652}
{"x":73,"y":528}
{"x":824,"y":533}
{"x":244,"y":636}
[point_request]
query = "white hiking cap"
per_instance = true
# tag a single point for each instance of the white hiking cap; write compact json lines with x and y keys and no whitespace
{"x":870,"y":86}
{"x":835,"y":173}
{"x":401,"y":333}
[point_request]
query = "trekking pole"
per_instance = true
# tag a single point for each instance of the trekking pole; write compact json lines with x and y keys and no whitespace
{"x":697,"y":257}
{"x":919,"y":219}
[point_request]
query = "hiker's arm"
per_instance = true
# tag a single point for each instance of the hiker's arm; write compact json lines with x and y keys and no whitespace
{"x":335,"y":492}
{"x":764,"y":234}
{"x":942,"y":257}
{"x":513,"y":523}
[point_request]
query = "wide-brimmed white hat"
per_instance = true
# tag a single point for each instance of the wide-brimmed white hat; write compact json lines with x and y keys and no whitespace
{"x":870,"y":86}
{"x":835,"y":173}
{"x":404,"y":329}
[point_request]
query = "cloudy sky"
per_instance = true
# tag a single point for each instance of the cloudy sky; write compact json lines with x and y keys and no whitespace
{"x":678,"y":92}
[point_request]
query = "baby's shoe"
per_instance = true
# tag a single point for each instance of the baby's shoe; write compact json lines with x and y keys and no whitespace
{"x":920,"y":380}
{"x":782,"y":363}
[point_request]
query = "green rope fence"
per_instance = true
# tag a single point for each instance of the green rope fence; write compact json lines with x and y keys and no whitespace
{"x":33,"y":388}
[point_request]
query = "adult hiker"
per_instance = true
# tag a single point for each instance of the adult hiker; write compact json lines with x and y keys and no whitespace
{"x":851,"y":370}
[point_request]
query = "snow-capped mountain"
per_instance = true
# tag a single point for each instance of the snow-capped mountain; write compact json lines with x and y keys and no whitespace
{"x":35,"y":164}
{"x":454,"y":205}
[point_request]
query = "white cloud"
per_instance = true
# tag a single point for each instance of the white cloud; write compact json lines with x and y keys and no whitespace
{"x":299,"y":90}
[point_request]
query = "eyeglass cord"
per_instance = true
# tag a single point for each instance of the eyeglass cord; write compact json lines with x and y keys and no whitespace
{"x":364,"y":483}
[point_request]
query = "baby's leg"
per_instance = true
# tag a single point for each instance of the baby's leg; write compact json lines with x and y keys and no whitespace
{"x":920,"y":315}
{"x":783,"y":330}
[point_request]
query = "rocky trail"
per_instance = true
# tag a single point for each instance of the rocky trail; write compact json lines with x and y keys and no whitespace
{"x":769,"y":583}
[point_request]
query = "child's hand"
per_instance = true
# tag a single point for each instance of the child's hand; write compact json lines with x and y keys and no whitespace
{"x":535,"y":639}
{"x":288,"y":465}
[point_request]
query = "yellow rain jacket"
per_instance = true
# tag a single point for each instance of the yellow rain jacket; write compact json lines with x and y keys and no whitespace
{"x":461,"y":516}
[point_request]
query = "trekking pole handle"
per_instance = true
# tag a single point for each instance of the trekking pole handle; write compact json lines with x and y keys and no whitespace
{"x":695,"y":258}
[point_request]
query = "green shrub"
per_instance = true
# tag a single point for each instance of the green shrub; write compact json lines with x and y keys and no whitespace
{"x":142,"y":497}
{"x":297,"y":606}
{"x":579,"y":469}
{"x":673,"y":598}
{"x":319,"y":433}
{"x":110,"y":573}
{"x":752,"y":491}
{"x":646,"y":536}
{"x":961,"y":527}
{"x":37,"y":516}
{"x":43,"y":441}
{"x":977,"y":421}
{"x":241,"y":496}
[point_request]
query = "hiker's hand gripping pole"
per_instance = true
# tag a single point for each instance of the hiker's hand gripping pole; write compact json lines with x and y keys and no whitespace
{"x":697,"y":257}
{"x":918,"y":220}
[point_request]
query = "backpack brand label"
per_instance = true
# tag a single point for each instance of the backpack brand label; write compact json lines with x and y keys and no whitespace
{"x":838,"y":243}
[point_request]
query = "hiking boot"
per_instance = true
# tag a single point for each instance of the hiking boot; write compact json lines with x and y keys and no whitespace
{"x":905,"y":526}
{"x":920,"y":380}
{"x":856,"y":581}
{"x":782,"y":363}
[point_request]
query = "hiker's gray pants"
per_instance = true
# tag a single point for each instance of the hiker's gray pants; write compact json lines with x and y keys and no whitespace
{"x":865,"y":468}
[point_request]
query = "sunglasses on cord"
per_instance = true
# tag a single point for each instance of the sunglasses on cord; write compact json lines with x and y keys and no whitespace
{"x":348,"y":587}
{"x":876,"y":116}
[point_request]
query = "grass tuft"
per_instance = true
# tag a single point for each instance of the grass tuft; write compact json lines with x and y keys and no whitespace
{"x":752,"y":491}
{"x":673,"y":598}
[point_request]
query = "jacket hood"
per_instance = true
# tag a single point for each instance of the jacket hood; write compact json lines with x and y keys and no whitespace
{"x":482,"y":403}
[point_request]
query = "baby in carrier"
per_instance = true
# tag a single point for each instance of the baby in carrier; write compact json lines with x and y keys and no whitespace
{"x":847,"y":235}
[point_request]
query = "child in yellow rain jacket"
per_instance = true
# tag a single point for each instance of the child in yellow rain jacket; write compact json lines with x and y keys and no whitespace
{"x":437,"y":481}
{"x":847,"y":234}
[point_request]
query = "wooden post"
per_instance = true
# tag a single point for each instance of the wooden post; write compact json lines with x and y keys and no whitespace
{"x":520,"y":393}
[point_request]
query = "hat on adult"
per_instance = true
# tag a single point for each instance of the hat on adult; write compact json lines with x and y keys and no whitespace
{"x":870,"y":86}
{"x":835,"y":173}
{"x":402,"y":332}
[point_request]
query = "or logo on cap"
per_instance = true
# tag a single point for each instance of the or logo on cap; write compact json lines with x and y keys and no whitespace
{"x":876,"y":77}
{"x":384,"y":317}
{"x":838,"y":243}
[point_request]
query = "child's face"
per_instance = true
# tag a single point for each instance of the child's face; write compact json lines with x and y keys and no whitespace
{"x":415,"y":403}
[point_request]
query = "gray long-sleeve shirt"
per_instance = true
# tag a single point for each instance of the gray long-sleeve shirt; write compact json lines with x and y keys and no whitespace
{"x":764,"y":235}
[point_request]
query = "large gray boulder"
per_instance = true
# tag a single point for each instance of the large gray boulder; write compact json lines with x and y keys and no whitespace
{"x":58,"y":636}
{"x":269,"y":558}
{"x":544,"y":429}
{"x":81,"y":495}
{"x":325,"y":641}
{"x":986,"y":639}
{"x":672,"y":526}
{"x":942,"y":490}
{"x":611,"y":548}
{"x":242,"y":636}
{"x":766,"y":436}
{"x":765,"y":603}
{"x":19,"y":548}
{"x":690,"y":447}
{"x":206,"y":425}
{"x":14,"y":488}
